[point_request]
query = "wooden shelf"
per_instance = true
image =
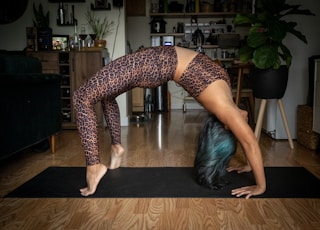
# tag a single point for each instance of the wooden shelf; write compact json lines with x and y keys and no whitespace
{"x":205,"y":46}
{"x":65,"y":24}
{"x":201,"y":14}
{"x":167,"y":34}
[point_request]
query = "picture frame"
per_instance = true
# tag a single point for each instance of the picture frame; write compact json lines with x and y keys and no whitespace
{"x":60,"y":42}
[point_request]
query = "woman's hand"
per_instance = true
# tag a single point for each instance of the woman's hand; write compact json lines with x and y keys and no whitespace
{"x":248,"y":191}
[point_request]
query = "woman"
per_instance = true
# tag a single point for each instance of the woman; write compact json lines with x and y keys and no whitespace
{"x":206,"y":81}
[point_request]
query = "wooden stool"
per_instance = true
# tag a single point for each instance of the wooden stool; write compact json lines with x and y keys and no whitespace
{"x":240,"y":92}
{"x":248,"y":95}
{"x":263,"y":104}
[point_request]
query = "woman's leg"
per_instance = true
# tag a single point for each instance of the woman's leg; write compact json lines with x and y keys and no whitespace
{"x":112,"y":116}
{"x":84,"y":100}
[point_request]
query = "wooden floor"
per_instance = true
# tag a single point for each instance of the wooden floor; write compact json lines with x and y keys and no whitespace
{"x":166,"y":140}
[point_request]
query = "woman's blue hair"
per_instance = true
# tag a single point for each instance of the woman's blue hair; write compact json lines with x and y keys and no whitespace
{"x":216,"y":145}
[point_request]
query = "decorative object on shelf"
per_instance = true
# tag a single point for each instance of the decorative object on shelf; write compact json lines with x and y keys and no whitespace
{"x":161,"y":6}
{"x":198,"y":37}
{"x":61,"y":14}
{"x":64,"y":17}
{"x":67,"y":0}
{"x":158,"y":25}
{"x":101,"y":5}
{"x":176,"y":7}
{"x":100,"y":27}
{"x":82,"y":38}
{"x":60,"y":42}
{"x":32,"y":41}
{"x":206,"y":7}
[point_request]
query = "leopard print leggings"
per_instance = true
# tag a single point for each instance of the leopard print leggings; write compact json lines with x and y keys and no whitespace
{"x":147,"y":68}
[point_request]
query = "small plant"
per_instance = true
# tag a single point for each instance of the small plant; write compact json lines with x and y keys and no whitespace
{"x":268,"y":29}
{"x":40,"y":20}
{"x":99,"y":27}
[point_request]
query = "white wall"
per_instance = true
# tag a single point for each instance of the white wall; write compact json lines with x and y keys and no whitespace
{"x":13,"y":36}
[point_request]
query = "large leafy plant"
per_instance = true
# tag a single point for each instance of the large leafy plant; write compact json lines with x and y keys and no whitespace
{"x":268,"y":28}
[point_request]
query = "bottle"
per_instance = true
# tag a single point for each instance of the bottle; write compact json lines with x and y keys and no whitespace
{"x":191,"y":6}
{"x":161,"y":6}
{"x":165,"y":6}
{"x":187,"y":6}
{"x":197,"y":6}
{"x":76,"y":38}
{"x":61,"y":13}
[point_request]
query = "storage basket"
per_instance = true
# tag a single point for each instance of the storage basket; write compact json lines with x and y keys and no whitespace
{"x":305,"y":135}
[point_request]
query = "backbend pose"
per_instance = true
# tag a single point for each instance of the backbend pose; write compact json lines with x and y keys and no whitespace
{"x":206,"y":81}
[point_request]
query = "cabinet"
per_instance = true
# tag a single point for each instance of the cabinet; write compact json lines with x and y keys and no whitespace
{"x":137,"y":100}
{"x":83,"y":65}
{"x":75,"y":67}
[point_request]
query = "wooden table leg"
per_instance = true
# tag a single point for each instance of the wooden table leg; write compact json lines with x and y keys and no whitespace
{"x":53,"y":143}
{"x":285,"y":122}
{"x":262,"y":108}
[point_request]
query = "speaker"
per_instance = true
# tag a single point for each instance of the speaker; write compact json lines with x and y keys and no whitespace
{"x":117,"y":3}
{"x":44,"y":36}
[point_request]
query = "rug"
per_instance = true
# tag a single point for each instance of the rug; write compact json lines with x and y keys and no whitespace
{"x":166,"y":182}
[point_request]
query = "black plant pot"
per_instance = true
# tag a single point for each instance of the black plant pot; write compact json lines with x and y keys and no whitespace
{"x":269,"y":83}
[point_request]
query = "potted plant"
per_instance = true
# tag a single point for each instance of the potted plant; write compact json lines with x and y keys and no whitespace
{"x":100,"y":28}
{"x":40,"y":20}
{"x":264,"y":45}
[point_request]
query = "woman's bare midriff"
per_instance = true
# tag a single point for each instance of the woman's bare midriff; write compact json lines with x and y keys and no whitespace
{"x":184,"y":56}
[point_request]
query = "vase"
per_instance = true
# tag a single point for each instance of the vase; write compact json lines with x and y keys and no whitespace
{"x":269,"y":83}
{"x":100,"y":43}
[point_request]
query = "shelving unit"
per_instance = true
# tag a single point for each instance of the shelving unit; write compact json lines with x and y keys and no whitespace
{"x":66,"y":89}
{"x":199,"y":15}
{"x":75,"y":68}
{"x":185,"y":39}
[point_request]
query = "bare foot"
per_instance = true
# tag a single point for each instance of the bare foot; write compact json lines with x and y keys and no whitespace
{"x":94,"y":175}
{"x":116,"y":156}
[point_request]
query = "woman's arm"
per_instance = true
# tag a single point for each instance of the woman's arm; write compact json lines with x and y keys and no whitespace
{"x":217,"y":98}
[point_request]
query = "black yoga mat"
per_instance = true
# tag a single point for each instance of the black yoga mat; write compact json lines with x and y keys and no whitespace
{"x":60,"y":182}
